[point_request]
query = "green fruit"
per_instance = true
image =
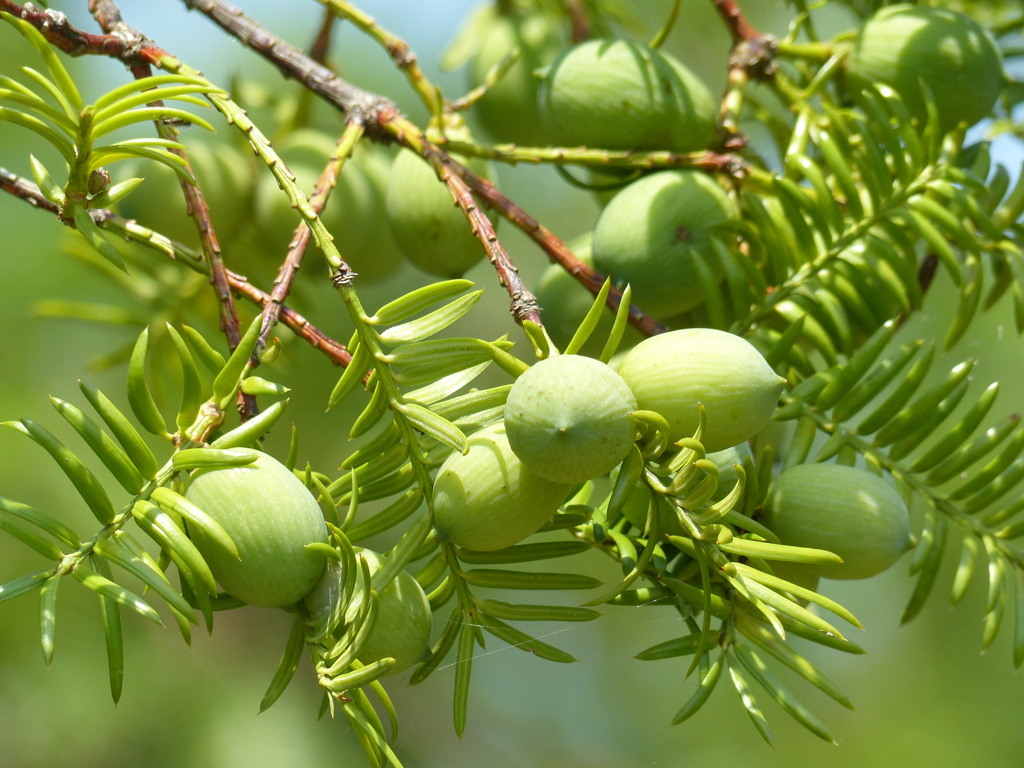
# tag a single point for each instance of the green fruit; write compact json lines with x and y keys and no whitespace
{"x":429,"y":228}
{"x":403,"y":624}
{"x":616,"y":94}
{"x":569,"y":418}
{"x":271,"y":517}
{"x":904,"y":46}
{"x":844,"y":510}
{"x":354,"y":213}
{"x":509,"y":112}
{"x":653,"y":231}
{"x":675,"y":372}
{"x":564,"y":302}
{"x":487,"y":499}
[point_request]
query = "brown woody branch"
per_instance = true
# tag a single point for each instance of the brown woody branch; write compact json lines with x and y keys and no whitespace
{"x":383,"y":119}
{"x":558,"y":252}
{"x":739,"y":27}
{"x":359,"y":106}
{"x":127,"y":46}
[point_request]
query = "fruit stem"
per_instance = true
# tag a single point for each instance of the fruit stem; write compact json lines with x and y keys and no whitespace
{"x":818,"y":53}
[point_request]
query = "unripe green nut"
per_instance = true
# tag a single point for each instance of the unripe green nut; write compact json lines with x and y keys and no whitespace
{"x":845,"y":510}
{"x":653,"y":231}
{"x":952,"y":54}
{"x":429,"y":228}
{"x":487,"y":499}
{"x":271,"y":517}
{"x":403,"y":624}
{"x":616,"y":94}
{"x":568,"y":418}
{"x":675,"y":372}
{"x":509,"y":111}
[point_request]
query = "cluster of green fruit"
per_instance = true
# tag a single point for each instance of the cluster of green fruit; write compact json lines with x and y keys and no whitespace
{"x":570,"y":419}
{"x":383,"y":210}
{"x":657,"y":233}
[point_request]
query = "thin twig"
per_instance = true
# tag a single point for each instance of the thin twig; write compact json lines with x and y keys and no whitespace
{"x":579,"y":21}
{"x":300,"y":240}
{"x":358,"y":105}
{"x":397,"y":49}
{"x":108,"y":16}
{"x":27,"y":191}
{"x":707,"y":161}
{"x":557,"y":251}
{"x":739,"y":27}
{"x":523,"y":304}
{"x":322,"y":42}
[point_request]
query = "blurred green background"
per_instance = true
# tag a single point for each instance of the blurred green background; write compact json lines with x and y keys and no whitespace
{"x":925,"y":695}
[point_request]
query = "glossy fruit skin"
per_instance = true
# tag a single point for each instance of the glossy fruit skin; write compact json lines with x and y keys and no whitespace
{"x":429,"y":228}
{"x":564,"y":303}
{"x":568,"y":418}
{"x":675,"y":371}
{"x":355,"y":210}
{"x":487,"y":499}
{"x":653,"y":231}
{"x":616,"y":94}
{"x":845,"y":510}
{"x":402,"y":627}
{"x":903,"y":45}
{"x":509,"y":111}
{"x":271,"y":517}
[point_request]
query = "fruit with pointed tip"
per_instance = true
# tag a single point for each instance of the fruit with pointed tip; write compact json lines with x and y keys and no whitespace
{"x":569,"y":418}
{"x":675,"y":373}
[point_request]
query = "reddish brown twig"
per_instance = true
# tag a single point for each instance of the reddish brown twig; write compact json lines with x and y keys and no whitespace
{"x":27,"y":191}
{"x":557,"y":251}
{"x":523,"y":304}
{"x":54,"y":26}
{"x":297,"y":248}
{"x":108,"y":16}
{"x":579,"y":21}
{"x":322,"y":41}
{"x":739,"y":27}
